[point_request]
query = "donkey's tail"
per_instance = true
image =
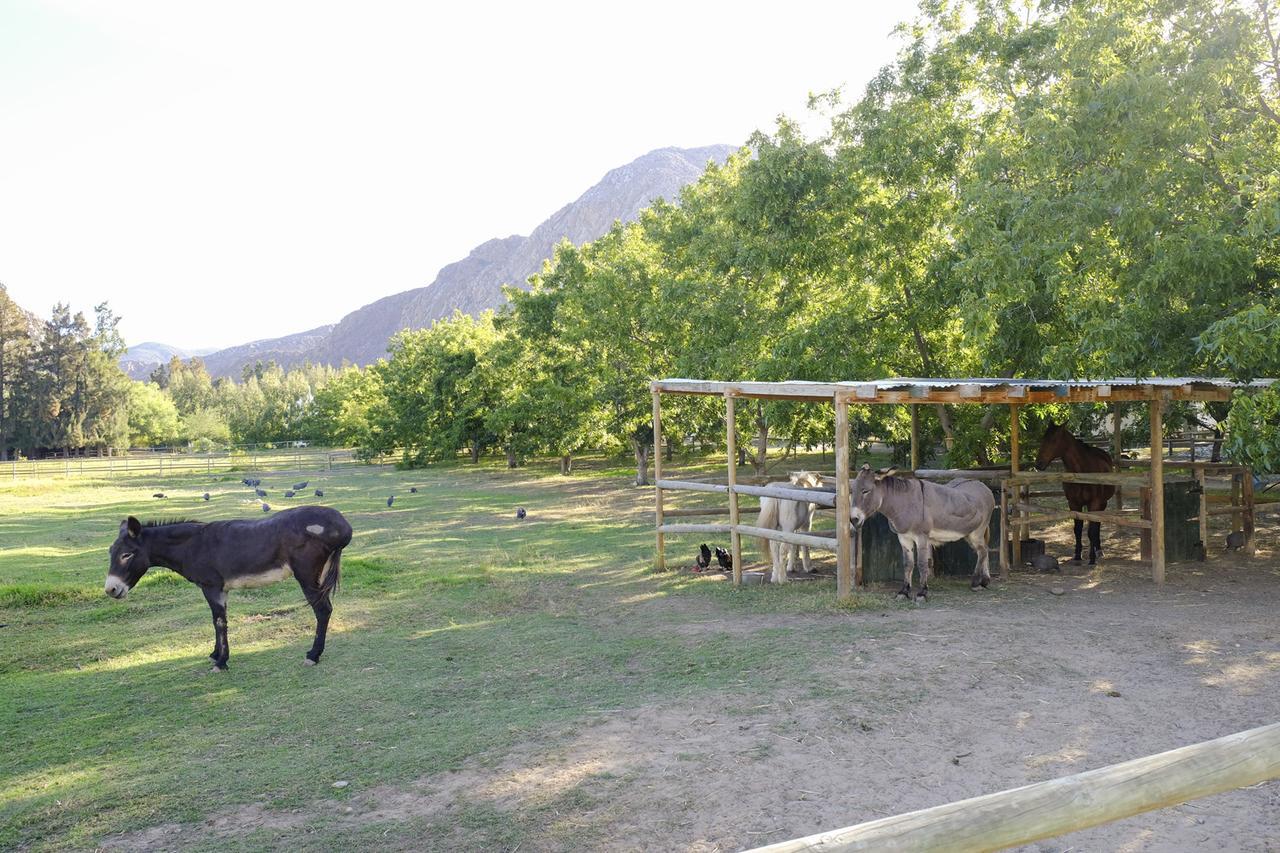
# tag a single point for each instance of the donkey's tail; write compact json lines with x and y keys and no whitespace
{"x":329,"y":583}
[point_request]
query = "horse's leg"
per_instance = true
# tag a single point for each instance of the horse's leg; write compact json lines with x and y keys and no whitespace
{"x":1079,"y":529}
{"x":924,"y":559}
{"x":217,"y":599}
{"x":808,"y":528}
{"x":982,"y":572}
{"x":323,"y":607}
{"x":776,"y":561}
{"x":908,"y":564}
{"x":1095,"y":531}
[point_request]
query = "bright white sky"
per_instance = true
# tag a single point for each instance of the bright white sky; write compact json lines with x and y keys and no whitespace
{"x":222,"y":172}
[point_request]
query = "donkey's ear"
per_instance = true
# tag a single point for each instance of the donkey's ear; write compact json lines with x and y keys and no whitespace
{"x":132,"y":526}
{"x":866,"y":466}
{"x":886,"y":472}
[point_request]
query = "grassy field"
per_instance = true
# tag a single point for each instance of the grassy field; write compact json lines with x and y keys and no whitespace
{"x":498,"y":684}
{"x":457,"y":630}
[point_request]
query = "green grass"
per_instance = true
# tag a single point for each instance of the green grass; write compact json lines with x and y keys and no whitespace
{"x":458,"y":633}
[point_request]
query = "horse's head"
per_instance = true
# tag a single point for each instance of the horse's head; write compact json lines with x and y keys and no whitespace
{"x":1053,"y":445}
{"x":129,"y":559}
{"x":806,"y":479}
{"x":868,"y":492}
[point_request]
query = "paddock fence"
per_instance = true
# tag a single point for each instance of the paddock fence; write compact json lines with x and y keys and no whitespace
{"x":1067,"y":804}
{"x":171,"y":463}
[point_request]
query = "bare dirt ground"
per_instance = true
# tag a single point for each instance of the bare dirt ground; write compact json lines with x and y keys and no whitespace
{"x":969,"y":694}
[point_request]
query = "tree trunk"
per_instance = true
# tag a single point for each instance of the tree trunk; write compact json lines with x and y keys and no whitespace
{"x":641,"y":451}
{"x":760,"y":457}
{"x":566,"y":464}
{"x":742,"y":456}
{"x":1217,"y":445}
{"x":511,"y":458}
{"x":988,"y":421}
{"x":948,"y":428}
{"x":671,"y":451}
{"x":475,"y":451}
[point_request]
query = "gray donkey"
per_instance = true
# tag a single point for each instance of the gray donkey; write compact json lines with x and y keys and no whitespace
{"x":924,"y":514}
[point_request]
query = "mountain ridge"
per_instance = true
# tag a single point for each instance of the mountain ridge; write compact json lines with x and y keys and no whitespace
{"x":474,"y":283}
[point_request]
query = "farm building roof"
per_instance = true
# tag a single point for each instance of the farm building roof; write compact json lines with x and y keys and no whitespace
{"x":974,"y":390}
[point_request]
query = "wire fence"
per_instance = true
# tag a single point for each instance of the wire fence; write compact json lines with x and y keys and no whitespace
{"x":179,"y":463}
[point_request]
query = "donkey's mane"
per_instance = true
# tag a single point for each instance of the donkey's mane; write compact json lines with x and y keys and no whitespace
{"x":898,"y":484}
{"x":170,"y":521}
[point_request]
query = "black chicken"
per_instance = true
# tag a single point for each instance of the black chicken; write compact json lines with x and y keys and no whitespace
{"x":725,"y":559}
{"x":704,"y":557}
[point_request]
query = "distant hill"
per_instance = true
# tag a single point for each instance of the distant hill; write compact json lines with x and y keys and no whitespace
{"x":139,"y":360}
{"x":475,"y":282}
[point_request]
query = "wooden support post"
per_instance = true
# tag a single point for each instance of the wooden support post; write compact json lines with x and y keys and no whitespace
{"x":1004,"y":530}
{"x":1117,"y":447}
{"x":1015,"y":466}
{"x":735,"y":538}
{"x":915,"y":435}
{"x":1157,"y":490}
{"x":1203,"y":512}
{"x":1246,"y":496}
{"x":657,"y":478}
{"x":844,"y":514}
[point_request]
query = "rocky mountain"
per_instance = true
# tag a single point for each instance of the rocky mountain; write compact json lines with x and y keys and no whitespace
{"x":140,"y":359}
{"x":287,"y":351}
{"x":475,"y":282}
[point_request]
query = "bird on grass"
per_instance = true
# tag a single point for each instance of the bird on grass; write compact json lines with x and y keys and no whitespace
{"x":206,"y":496}
{"x":260,"y":493}
{"x":704,"y":557}
{"x":520,"y":513}
{"x":391,"y":500}
{"x":159,"y":495}
{"x":290,"y":493}
{"x":297,"y":487}
{"x":319,"y":493}
{"x":266,"y":507}
{"x":413,"y":490}
{"x":724,"y":558}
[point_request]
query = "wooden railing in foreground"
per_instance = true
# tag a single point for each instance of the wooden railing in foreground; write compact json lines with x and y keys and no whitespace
{"x":1059,"y":806}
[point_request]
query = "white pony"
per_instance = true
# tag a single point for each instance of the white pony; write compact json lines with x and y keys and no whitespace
{"x":788,"y":516}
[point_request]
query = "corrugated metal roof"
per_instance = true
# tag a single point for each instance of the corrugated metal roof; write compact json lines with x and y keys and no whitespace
{"x":976,"y":389}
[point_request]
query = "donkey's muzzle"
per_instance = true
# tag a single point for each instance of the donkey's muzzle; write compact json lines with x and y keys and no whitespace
{"x":116,"y":588}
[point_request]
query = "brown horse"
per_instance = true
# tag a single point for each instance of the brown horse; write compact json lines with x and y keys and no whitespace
{"x":1079,"y":457}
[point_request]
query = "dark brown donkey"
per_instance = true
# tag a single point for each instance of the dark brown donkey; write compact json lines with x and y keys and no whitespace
{"x":1079,"y":457}
{"x":305,"y":542}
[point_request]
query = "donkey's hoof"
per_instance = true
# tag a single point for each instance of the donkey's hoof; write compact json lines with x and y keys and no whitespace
{"x":986,"y":582}
{"x":308,"y":662}
{"x":217,"y":668}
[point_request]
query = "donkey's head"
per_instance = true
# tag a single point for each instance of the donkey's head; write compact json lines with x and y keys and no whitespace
{"x":129,"y":559}
{"x":868,"y":492}
{"x":1053,"y":445}
{"x":806,"y":479}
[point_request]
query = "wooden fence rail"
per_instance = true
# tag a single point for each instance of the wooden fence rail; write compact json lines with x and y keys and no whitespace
{"x":1071,"y":803}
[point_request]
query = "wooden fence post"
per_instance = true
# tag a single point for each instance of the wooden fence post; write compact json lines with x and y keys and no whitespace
{"x":1246,"y":496}
{"x":915,"y":435}
{"x":1157,"y":490}
{"x":844,"y":514}
{"x":1017,"y":534}
{"x":657,"y":478}
{"x":731,"y":441}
